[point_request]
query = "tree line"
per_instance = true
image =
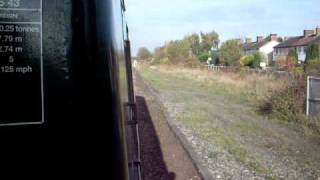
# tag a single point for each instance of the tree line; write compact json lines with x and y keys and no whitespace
{"x":195,"y":49}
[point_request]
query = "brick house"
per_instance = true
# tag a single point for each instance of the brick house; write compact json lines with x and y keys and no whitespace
{"x":298,"y":43}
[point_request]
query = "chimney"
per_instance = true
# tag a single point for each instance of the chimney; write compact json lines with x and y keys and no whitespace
{"x":308,"y":33}
{"x":259,"y":39}
{"x":273,"y":37}
{"x":248,"y":40}
{"x":317,"y":31}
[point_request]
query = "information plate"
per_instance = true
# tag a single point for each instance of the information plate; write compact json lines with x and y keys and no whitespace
{"x":21,"y":63}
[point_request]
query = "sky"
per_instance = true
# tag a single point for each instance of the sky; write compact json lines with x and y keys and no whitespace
{"x":153,"y":22}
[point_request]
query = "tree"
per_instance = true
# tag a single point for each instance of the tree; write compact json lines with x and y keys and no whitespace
{"x":209,"y":40}
{"x":292,"y":59}
{"x":257,"y":59}
{"x":312,"y":64}
{"x":144,"y":54}
{"x":313,"y":52}
{"x":179,"y":52}
{"x":230,"y":53}
{"x":159,"y":53}
{"x":194,"y":41}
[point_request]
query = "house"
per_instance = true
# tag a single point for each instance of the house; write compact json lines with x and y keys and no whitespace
{"x":298,"y":43}
{"x":263,"y":45}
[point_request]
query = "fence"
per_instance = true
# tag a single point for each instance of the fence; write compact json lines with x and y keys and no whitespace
{"x":313,"y":96}
{"x":267,"y":71}
{"x":216,"y":68}
{"x":221,"y":68}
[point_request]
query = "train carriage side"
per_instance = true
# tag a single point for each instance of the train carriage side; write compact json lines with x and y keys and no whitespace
{"x":89,"y":127}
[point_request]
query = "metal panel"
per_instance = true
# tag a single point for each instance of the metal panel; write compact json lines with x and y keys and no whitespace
{"x":21,"y":65}
{"x":132,"y":132}
{"x":313,"y":96}
{"x":82,"y":136}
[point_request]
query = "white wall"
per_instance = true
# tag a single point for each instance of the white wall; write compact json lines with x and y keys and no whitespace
{"x":268,"y":49}
{"x":302,"y":53}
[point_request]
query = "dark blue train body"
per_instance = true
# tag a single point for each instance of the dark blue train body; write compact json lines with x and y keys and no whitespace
{"x":72,"y":115}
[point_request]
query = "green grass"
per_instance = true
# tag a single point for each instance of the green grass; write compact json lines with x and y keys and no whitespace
{"x":196,"y":113}
{"x":198,"y":122}
{"x":219,"y":113}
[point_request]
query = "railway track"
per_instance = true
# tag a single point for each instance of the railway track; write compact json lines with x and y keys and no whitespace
{"x":163,"y":156}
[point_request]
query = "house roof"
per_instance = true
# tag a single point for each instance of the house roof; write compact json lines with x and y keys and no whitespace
{"x":299,"y":41}
{"x":254,"y":45}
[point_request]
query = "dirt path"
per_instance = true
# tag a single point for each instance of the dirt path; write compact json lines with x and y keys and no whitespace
{"x":163,"y":156}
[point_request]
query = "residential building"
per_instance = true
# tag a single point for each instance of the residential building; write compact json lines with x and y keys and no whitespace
{"x":298,"y":43}
{"x":263,"y":45}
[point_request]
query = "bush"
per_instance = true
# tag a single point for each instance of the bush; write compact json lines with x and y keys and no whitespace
{"x":313,"y":52}
{"x":252,"y":61}
{"x":313,"y":66}
{"x":286,"y":104}
{"x":159,"y":53}
{"x":144,"y":54}
{"x":155,"y":62}
{"x":246,"y":60}
{"x":257,"y":59}
{"x":203,"y":57}
{"x":281,"y":63}
{"x":298,"y":70}
{"x":215,"y":57}
{"x":293,"y":57}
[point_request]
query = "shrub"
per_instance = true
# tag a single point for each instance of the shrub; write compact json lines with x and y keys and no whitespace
{"x":246,"y":60}
{"x":215,"y":57}
{"x":287,"y":64}
{"x":252,"y":61}
{"x":290,"y":63}
{"x":293,"y":57}
{"x":313,"y":52}
{"x":298,"y":70}
{"x":155,"y":61}
{"x":159,"y":53}
{"x":144,"y":54}
{"x":313,"y":66}
{"x":203,"y":57}
{"x":257,"y":59}
{"x":286,"y":104}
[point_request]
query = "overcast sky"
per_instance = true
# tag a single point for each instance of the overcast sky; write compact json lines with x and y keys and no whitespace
{"x":152,"y":22}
